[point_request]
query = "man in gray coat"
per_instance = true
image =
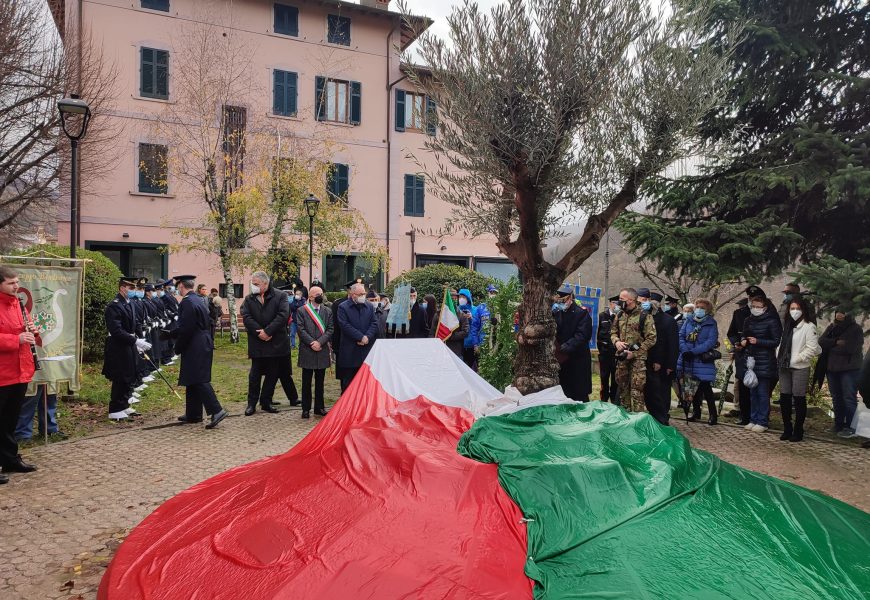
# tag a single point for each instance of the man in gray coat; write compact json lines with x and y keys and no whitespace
{"x":315,"y":327}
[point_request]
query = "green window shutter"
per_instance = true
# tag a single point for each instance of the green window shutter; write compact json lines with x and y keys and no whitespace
{"x":278,"y":93}
{"x":409,"y":195}
{"x":419,"y":193}
{"x":161,"y":73}
{"x":146,"y":72}
{"x":343,"y":181}
{"x":431,"y":116}
{"x":319,"y":100}
{"x":400,"y":110}
{"x":286,"y":20}
{"x":355,"y":102}
{"x":291,"y":93}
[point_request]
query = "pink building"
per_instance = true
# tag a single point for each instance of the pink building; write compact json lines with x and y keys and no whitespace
{"x":339,"y":52}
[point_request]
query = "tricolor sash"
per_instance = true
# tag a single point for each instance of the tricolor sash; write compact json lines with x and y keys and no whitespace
{"x":315,"y":316}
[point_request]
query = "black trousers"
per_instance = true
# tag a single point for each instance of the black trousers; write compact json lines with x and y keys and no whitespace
{"x":197,"y":396}
{"x":657,"y":394}
{"x":469,"y":357}
{"x":120,"y":399}
{"x":743,"y":400}
{"x":319,"y":375}
{"x":607,"y":369}
{"x":267,"y":370}
{"x":11,"y":399}
{"x":347,"y":374}
{"x":285,"y":376}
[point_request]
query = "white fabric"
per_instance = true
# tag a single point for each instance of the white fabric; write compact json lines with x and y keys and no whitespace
{"x":517,"y":401}
{"x":861,"y":421}
{"x":426,"y":367}
{"x":804,"y":345}
{"x":750,"y":379}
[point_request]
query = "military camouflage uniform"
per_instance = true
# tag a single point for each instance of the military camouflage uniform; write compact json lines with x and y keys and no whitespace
{"x":631,"y":374}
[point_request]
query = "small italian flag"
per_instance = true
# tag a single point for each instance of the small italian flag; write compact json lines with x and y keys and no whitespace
{"x":448,"y":321}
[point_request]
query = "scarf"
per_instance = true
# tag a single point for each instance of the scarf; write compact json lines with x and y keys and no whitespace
{"x":315,"y":316}
{"x":785,"y":345}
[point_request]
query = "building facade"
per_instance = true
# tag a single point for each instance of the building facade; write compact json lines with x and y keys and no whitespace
{"x":324,"y":69}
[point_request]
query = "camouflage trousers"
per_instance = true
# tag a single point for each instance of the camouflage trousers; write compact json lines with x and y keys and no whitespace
{"x":631,"y":375}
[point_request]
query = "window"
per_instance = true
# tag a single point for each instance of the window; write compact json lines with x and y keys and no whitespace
{"x":424,"y":260}
{"x":337,"y":182}
{"x":238,"y":290}
{"x":284,"y":93}
{"x":338,"y":269}
{"x":338,"y":101}
{"x":136,"y":260}
{"x":154,"y":73}
{"x":338,"y":30}
{"x":415,"y":187}
{"x":286,"y":20}
{"x":495,"y":267}
{"x":415,"y":112}
{"x":156,"y":4}
{"x":234,"y":119}
{"x":153,"y":172}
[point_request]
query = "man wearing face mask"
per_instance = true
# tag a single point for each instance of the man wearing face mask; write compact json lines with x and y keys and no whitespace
{"x":790,"y":292}
{"x":359,"y":329}
{"x":336,"y":328}
{"x":171,"y":306}
{"x":265,"y":313}
{"x":573,"y":332}
{"x":734,"y":335}
{"x":121,"y":353}
{"x":297,"y":300}
{"x":669,"y":307}
{"x":633,"y":334}
{"x":607,"y":352}
{"x":661,"y":362}
{"x":314,"y":324}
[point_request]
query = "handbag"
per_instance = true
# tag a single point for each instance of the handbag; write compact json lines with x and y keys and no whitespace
{"x":710,"y":356}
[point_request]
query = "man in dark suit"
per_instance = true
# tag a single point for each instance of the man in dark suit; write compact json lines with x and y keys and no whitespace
{"x":607,"y":353}
{"x":336,"y":328}
{"x":194,"y":343}
{"x":314,"y":324}
{"x":121,"y":353}
{"x":170,"y":304}
{"x":734,"y":335}
{"x":573,"y":332}
{"x":661,"y":361}
{"x":359,"y":328}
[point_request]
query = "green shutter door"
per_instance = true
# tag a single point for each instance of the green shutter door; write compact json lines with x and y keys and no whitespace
{"x":400,"y":110}
{"x":278,"y":92}
{"x":319,"y":104}
{"x":355,"y":102}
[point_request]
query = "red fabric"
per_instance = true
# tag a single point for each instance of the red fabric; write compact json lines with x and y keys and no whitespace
{"x":16,"y":362}
{"x":375,"y":503}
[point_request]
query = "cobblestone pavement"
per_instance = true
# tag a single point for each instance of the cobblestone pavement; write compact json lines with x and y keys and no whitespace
{"x":62,"y":524}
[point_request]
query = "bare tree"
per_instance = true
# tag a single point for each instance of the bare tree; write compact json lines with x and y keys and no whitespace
{"x":36,"y":71}
{"x":686,"y":287}
{"x":550,"y":110}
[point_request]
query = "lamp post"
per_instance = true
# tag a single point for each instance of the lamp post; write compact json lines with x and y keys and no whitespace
{"x":311,"y":206}
{"x":74,"y":110}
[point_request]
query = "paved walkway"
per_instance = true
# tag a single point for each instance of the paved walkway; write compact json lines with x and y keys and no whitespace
{"x":62,"y":524}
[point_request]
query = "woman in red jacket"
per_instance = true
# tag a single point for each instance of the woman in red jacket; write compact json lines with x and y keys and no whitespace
{"x":16,"y":370}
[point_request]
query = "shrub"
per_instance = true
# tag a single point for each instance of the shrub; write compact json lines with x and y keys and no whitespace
{"x":500,"y":347}
{"x":432,"y":278}
{"x":101,"y":286}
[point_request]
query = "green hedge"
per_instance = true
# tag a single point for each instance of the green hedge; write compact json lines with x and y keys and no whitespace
{"x":101,"y":285}
{"x":432,"y":278}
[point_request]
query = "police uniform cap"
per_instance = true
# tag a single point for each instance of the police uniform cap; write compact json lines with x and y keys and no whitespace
{"x":353,"y":282}
{"x":413,"y":290}
{"x":643,"y":292}
{"x":149,"y":287}
{"x":671,"y":299}
{"x":614,"y":298}
{"x":178,"y":278}
{"x":141,"y":282}
{"x":372,"y":294}
{"x":754,"y":290}
{"x":656,"y":296}
{"x":566,"y":289}
{"x":126,"y":281}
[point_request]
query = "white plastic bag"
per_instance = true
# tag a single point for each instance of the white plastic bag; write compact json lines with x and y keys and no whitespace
{"x":861,"y":421}
{"x":750,"y":379}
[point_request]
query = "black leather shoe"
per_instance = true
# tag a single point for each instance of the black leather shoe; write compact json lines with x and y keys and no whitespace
{"x":295,"y":402}
{"x":19,"y":466}
{"x":269,"y":409}
{"x":276,"y":402}
{"x":250,"y":410}
{"x":306,"y":414}
{"x":185,"y":419}
{"x":217,"y":418}
{"x":321,"y":412}
{"x":3,"y":479}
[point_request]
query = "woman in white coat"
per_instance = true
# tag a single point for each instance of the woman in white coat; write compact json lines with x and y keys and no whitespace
{"x":800,"y":343}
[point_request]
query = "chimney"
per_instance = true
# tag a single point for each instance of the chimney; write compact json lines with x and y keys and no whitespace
{"x":382,"y":4}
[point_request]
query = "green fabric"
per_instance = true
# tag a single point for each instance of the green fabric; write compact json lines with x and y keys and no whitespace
{"x":621,"y":507}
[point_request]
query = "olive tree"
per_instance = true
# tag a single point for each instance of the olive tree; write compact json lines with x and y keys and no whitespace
{"x":553,"y":110}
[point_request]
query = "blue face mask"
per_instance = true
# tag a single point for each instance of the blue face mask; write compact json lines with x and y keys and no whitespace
{"x":567,"y":305}
{"x":131,"y":294}
{"x":424,"y":305}
{"x":700,"y":313}
{"x":556,"y":306}
{"x":646,"y":305}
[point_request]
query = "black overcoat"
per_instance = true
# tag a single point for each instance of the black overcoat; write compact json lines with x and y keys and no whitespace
{"x":767,"y":329}
{"x":120,"y":355}
{"x":667,"y":347}
{"x":355,"y":320}
{"x":193,"y":341}
{"x":573,"y":332}
{"x":271,"y":316}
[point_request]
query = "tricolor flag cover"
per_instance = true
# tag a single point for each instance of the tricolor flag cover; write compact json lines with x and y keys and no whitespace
{"x":428,"y":483}
{"x":448,"y":320}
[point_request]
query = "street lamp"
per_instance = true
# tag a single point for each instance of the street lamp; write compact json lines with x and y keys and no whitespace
{"x":311,"y":206}
{"x":74,"y":110}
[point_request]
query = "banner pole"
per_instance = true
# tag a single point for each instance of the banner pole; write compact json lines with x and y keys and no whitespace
{"x":45,"y":411}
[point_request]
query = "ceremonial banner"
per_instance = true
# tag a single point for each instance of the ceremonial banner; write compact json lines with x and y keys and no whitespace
{"x":53,"y":298}
{"x":590,"y":299}
{"x":399,"y":319}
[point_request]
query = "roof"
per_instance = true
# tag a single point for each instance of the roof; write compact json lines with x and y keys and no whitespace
{"x":411,"y":26}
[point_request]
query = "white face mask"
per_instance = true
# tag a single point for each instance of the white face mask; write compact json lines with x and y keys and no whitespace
{"x":360,"y":299}
{"x":756,"y":312}
{"x":299,"y":296}
{"x":463,"y":301}
{"x":255,"y":289}
{"x":795,"y":314}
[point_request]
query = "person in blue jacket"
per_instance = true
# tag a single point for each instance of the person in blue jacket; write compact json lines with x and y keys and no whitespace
{"x":476,"y":317}
{"x":698,"y":336}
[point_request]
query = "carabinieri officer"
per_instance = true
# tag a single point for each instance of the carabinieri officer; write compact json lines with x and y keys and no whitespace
{"x":122,"y":349}
{"x":194,"y":343}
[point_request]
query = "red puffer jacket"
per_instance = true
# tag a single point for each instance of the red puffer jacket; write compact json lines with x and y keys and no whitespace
{"x":16,"y":362}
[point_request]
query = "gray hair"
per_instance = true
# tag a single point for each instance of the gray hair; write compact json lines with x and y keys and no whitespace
{"x":632,"y":293}
{"x":689,"y":306}
{"x":356,"y":288}
{"x":261,"y":276}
